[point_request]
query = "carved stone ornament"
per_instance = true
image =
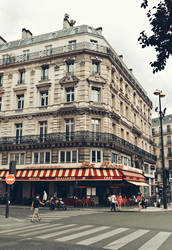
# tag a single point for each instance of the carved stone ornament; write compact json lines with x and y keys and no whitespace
{"x":69,"y":79}
{"x":10,"y":76}
{"x":96,"y":78}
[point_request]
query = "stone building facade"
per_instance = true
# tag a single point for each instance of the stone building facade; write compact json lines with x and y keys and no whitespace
{"x":167,"y":139}
{"x":72,"y":115}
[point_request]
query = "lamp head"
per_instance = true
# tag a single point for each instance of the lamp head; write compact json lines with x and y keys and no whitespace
{"x":159,"y":92}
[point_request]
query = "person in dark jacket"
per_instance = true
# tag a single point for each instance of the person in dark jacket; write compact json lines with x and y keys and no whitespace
{"x":35,"y":207}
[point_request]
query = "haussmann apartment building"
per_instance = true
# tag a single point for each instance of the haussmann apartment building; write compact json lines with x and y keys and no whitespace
{"x":73,"y":117}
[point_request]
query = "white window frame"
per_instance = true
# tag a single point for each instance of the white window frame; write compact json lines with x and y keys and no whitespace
{"x":65,"y":156}
{"x":115,"y":156}
{"x":96,"y":154}
{"x":70,"y":93}
{"x":39,"y":157}
{"x":14,"y":159}
{"x":20,"y":101}
{"x":19,"y":130}
{"x":44,"y":98}
{"x":95,"y":94}
{"x":95,"y":67}
{"x":72,"y":45}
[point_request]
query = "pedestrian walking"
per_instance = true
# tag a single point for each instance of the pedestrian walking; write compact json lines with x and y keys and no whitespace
{"x":114,"y":202}
{"x":45,"y":196}
{"x":119,"y":199}
{"x":35,"y":207}
{"x":139,"y":199}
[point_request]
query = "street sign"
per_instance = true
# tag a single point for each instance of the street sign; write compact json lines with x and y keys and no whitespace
{"x":10,"y":179}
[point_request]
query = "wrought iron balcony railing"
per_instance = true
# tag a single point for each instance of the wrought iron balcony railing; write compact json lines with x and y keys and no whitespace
{"x":79,"y":136}
{"x":78,"y":46}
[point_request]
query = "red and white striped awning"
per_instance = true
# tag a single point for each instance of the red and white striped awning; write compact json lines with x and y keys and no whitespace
{"x":132,"y":176}
{"x":64,"y":174}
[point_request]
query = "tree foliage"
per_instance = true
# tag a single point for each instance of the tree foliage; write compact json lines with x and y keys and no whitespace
{"x":160,"y":19}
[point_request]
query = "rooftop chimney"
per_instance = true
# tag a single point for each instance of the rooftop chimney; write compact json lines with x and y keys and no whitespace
{"x":26,"y":33}
{"x":2,"y":40}
{"x":66,"y":23}
{"x":121,"y":56}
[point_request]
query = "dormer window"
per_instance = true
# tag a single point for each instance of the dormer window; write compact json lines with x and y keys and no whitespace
{"x":5,"y":59}
{"x":26,"y":55}
{"x":48,"y":50}
{"x":72,"y":45}
{"x":94,"y":44}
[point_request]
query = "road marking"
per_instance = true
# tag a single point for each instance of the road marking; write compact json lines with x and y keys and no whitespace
{"x":126,"y":239}
{"x":64,"y":231}
{"x":102,"y":236}
{"x":156,"y":241}
{"x":42,"y":230}
{"x":21,"y":228}
{"x":74,"y":236}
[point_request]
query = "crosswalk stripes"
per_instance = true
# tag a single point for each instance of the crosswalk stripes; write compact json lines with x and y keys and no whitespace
{"x":156,"y":241}
{"x":103,"y":237}
{"x":126,"y":239}
{"x":57,"y":215}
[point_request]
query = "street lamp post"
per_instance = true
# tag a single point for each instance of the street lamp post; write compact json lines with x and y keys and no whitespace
{"x":161,"y":116}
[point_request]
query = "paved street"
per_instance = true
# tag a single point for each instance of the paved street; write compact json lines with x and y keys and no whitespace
{"x":87,"y":229}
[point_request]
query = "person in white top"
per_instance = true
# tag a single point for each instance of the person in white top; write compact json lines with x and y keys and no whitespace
{"x":44,"y":196}
{"x":114,"y":202}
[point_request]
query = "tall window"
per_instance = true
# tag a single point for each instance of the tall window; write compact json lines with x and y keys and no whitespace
{"x":70,"y":68}
{"x":45,"y":69}
{"x":70,"y":94}
{"x":44,"y":98}
{"x":1,"y":80}
{"x":95,"y":94}
{"x":41,"y":157}
{"x":68,"y":156}
{"x":72,"y":45}
{"x":69,"y":129}
{"x":96,"y":128}
{"x":168,"y":128}
{"x":21,"y":77}
{"x":96,"y":156}
{"x":170,"y":164}
{"x":43,"y":130}
{"x":168,"y":139}
{"x":18,"y":133}
{"x":48,"y":50}
{"x":114,"y":158}
{"x":18,"y":157}
{"x":26,"y":55}
{"x":95,"y":67}
{"x":20,"y":101}
{"x":169,"y":152}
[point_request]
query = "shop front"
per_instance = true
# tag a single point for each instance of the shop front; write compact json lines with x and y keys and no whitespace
{"x":73,"y":184}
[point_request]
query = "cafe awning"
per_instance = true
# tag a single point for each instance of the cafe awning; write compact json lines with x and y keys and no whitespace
{"x":132,"y":176}
{"x":67,"y":174}
{"x":143,"y":184}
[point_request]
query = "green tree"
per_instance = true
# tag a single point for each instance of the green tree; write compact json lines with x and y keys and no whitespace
{"x":160,"y":19}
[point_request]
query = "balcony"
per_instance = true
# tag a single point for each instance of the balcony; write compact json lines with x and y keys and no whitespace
{"x":65,"y":49}
{"x":79,"y":136}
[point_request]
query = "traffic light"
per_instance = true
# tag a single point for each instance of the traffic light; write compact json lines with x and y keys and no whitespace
{"x":12,"y":167}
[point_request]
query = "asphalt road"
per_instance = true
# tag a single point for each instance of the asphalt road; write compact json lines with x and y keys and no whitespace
{"x":91,"y":229}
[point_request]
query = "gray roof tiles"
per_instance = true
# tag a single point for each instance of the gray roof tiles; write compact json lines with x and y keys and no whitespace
{"x":49,"y":36}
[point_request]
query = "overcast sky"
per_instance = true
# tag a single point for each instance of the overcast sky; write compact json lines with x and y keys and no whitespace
{"x":122,"y":21}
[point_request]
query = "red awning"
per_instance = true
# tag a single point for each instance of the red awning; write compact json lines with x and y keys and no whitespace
{"x":64,"y":174}
{"x":132,"y":176}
